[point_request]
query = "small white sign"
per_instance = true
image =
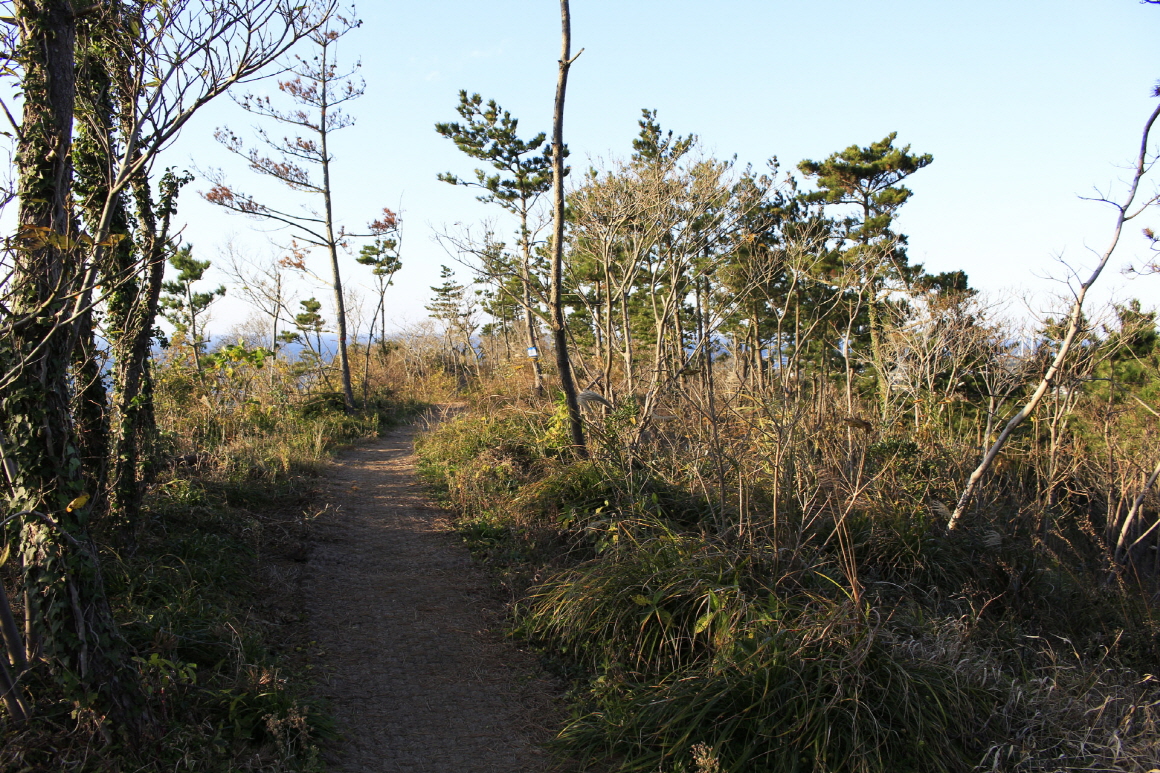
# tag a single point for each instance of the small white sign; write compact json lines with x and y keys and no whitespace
{"x":533,"y":352}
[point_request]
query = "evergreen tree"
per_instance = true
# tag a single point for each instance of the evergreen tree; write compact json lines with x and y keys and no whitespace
{"x":181,"y":304}
{"x":382,"y":256}
{"x":523,"y":173}
{"x":653,"y":146}
{"x":310,"y":321}
{"x":455,"y":308}
{"x":1133,"y":344}
{"x":870,"y":180}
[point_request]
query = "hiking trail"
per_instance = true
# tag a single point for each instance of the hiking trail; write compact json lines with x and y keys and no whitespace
{"x":411,"y":655}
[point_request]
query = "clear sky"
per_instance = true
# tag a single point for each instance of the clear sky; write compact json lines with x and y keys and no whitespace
{"x":1026,"y":105}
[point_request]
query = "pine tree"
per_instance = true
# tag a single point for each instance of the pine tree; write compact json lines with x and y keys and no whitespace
{"x":655,"y":147}
{"x":182,"y":305}
{"x":523,"y":174}
{"x":455,"y":308}
{"x":870,"y":179}
{"x":383,"y":258}
{"x":310,"y":321}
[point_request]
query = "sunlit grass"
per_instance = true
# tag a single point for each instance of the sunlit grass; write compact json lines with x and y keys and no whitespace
{"x":849,"y":634}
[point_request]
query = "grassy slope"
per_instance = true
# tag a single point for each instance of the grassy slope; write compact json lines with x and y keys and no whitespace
{"x":871,"y":644}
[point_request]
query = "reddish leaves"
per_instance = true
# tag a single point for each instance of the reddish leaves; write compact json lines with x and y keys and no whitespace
{"x":239,"y":202}
{"x":385,"y":224}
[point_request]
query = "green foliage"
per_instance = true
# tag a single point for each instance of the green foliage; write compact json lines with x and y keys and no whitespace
{"x":522,"y":175}
{"x":382,"y":256}
{"x":181,"y":305}
{"x":1133,"y":345}
{"x":489,"y":134}
{"x":653,"y":602}
{"x":214,"y":646}
{"x":690,"y":641}
{"x":821,"y":692}
{"x":213,"y":678}
{"x":653,"y":146}
{"x":754,"y":570}
{"x":234,"y":360}
{"x":450,"y":300}
{"x":696,"y":643}
{"x":869,"y":178}
{"x":189,"y":591}
{"x":255,"y":416}
{"x":309,"y":320}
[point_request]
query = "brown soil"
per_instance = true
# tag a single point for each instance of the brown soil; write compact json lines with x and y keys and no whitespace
{"x":408,"y":632}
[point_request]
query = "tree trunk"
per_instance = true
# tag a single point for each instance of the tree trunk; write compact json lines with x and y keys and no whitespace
{"x":559,"y":331}
{"x":526,"y":299}
{"x":102,"y":213}
{"x":69,"y":620}
{"x":89,"y":410}
{"x":332,"y":245}
{"x":133,"y":394}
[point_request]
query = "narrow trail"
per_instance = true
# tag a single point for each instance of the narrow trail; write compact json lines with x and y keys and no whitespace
{"x":412,"y":661}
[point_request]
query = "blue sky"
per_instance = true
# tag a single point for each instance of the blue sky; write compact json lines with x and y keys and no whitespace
{"x":1026,"y":105}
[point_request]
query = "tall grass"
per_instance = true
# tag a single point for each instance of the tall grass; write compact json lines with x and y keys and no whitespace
{"x":267,"y":421}
{"x":836,"y":630}
{"x":822,"y":692}
{"x":204,"y":584}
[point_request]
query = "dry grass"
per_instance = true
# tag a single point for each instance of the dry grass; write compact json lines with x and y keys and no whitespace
{"x":774,"y":595}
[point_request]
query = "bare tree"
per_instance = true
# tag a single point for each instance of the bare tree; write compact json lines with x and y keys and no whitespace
{"x":317,"y":89}
{"x":1124,"y":213}
{"x":264,"y":285}
{"x":556,"y":301}
{"x":615,"y":228}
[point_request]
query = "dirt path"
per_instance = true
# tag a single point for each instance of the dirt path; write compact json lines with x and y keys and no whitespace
{"x":412,"y":661}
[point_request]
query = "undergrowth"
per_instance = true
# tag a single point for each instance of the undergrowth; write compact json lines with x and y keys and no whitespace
{"x":846,"y":635}
{"x":205,"y":589}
